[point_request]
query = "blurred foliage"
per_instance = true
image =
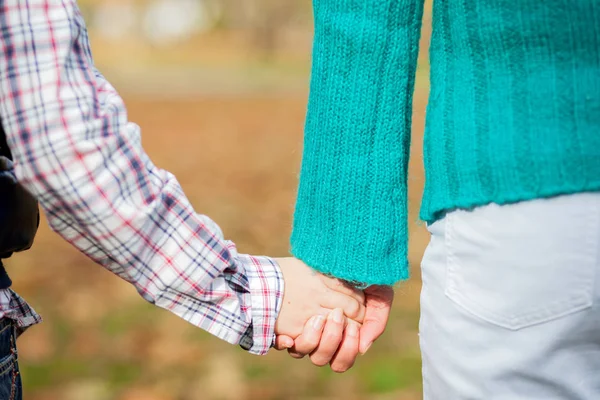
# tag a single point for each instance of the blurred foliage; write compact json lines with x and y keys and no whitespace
{"x":164,"y":22}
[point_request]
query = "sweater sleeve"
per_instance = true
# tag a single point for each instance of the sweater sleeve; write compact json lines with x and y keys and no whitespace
{"x":351,"y":211}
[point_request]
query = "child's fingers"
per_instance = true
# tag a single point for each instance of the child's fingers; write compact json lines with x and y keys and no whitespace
{"x":308,"y":341}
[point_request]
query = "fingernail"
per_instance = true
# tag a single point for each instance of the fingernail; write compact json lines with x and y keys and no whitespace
{"x":337,"y":315}
{"x":352,"y":330}
{"x":367,"y":348}
{"x":318,"y":322}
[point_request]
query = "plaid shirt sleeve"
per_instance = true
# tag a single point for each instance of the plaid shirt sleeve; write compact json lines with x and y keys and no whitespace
{"x":75,"y":150}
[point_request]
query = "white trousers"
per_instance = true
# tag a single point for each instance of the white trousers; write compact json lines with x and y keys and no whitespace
{"x":510,"y":305}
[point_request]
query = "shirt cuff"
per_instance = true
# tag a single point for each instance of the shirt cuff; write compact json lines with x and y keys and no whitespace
{"x":266,"y":293}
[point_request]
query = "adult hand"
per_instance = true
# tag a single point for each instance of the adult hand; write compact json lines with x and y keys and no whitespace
{"x":378,"y":300}
{"x":308,"y":293}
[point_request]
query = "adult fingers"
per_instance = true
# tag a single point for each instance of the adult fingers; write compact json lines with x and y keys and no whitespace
{"x":310,"y":337}
{"x":346,"y":355}
{"x":330,"y":339}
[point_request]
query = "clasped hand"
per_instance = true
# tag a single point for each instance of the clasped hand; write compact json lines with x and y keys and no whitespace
{"x":326,"y":319}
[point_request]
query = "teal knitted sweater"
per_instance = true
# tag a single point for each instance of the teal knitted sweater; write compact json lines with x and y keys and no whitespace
{"x":513,"y":114}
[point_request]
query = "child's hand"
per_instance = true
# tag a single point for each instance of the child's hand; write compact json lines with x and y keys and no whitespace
{"x":308,"y":293}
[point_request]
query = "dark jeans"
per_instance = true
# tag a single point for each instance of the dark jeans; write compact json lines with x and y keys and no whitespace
{"x":10,"y":379}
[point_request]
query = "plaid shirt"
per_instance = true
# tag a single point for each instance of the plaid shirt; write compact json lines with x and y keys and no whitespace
{"x":75,"y":150}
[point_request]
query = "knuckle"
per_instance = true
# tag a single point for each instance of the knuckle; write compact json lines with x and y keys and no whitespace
{"x":295,"y":354}
{"x":339,"y":368}
{"x":303,"y":351}
{"x":310,"y":344}
{"x":352,"y":309}
{"x":332,"y":339}
{"x":344,"y":359}
{"x":307,"y":344}
{"x":319,"y":361}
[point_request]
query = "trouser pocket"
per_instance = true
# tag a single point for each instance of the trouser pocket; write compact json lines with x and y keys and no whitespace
{"x":524,"y":264}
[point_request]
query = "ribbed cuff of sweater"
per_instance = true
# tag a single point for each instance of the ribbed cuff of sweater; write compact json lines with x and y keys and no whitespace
{"x":360,"y":274}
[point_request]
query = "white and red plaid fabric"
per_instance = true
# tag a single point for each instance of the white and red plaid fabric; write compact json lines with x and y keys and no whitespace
{"x":75,"y":150}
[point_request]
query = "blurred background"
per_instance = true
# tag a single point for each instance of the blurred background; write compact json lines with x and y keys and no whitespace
{"x":219,"y":89}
